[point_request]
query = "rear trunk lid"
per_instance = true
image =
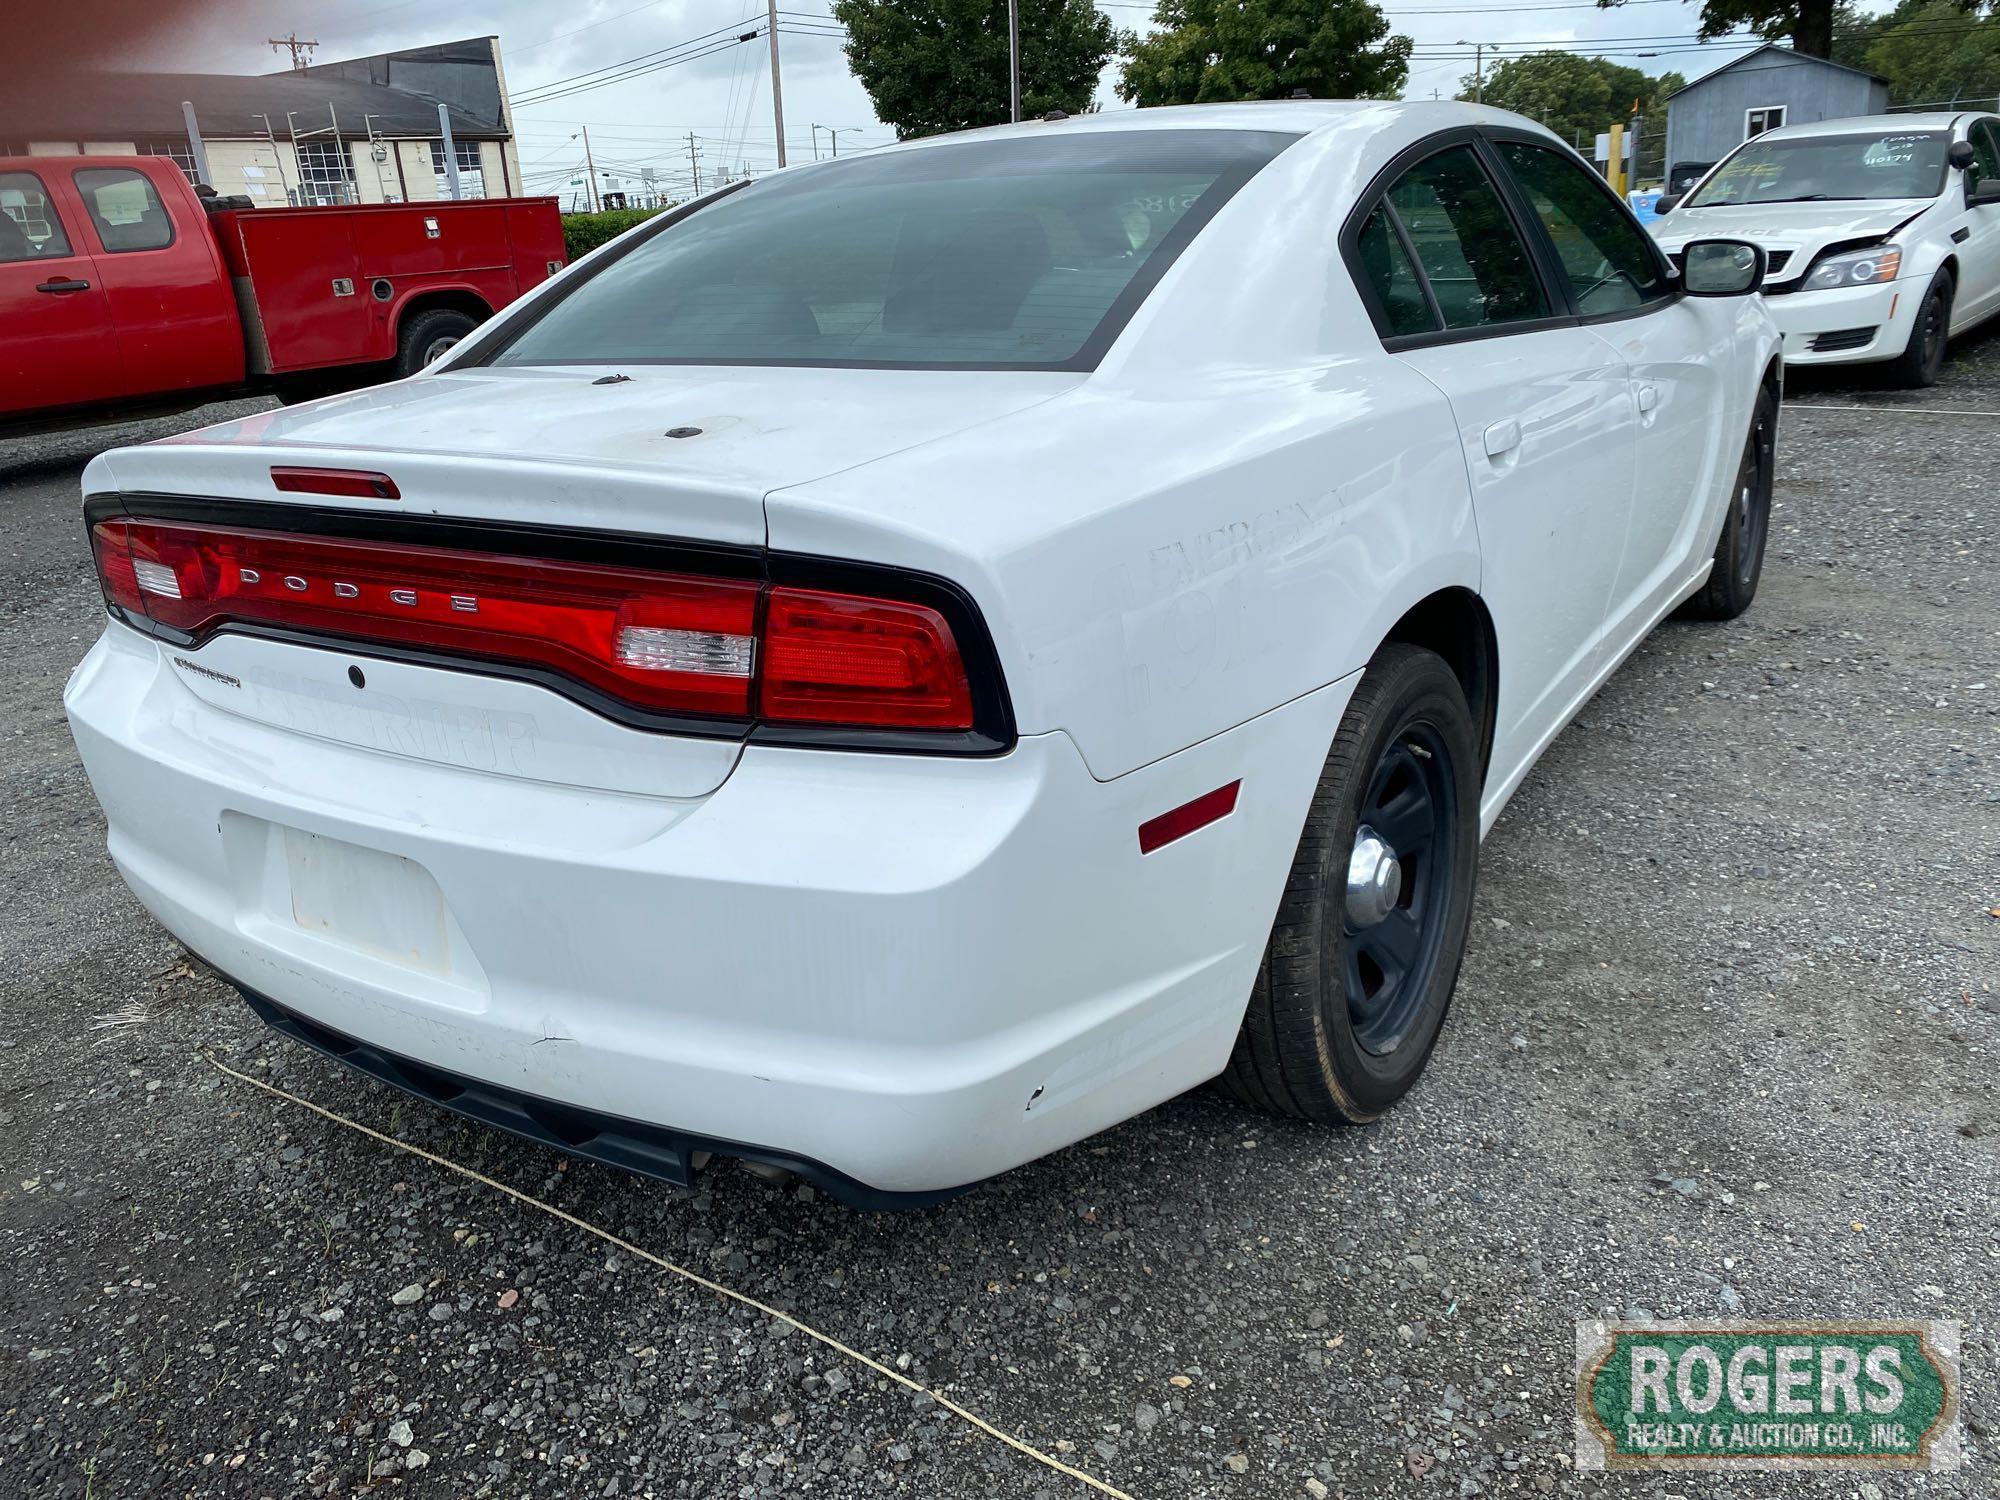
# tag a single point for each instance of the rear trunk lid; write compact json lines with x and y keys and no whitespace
{"x":661,"y":450}
{"x":546,"y":448}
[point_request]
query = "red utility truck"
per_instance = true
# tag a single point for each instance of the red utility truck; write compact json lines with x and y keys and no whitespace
{"x":124,"y":290}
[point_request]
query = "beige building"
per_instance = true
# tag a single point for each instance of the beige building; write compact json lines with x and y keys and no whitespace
{"x":361,"y":131}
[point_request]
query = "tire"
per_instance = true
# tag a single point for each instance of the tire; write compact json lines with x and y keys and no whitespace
{"x":1316,"y":1043}
{"x":1918,"y":365}
{"x":428,"y":335}
{"x":1739,"y":552}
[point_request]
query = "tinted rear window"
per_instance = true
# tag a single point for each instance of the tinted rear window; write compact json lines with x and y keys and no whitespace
{"x":1022,"y":254}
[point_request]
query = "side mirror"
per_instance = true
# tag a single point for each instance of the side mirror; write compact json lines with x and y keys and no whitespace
{"x":1985,"y":192}
{"x":1667,"y":204}
{"x":1961,"y":155}
{"x":1721,"y":268}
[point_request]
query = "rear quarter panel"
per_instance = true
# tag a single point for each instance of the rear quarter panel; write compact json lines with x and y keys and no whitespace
{"x":1159,"y":564}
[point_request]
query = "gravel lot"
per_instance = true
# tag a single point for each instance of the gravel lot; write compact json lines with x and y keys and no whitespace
{"x":1725,"y":1042}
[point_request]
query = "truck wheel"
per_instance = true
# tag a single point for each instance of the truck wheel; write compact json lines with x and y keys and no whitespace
{"x":428,"y":335}
{"x":1739,"y":553}
{"x":1923,"y":356}
{"x":1364,"y":955}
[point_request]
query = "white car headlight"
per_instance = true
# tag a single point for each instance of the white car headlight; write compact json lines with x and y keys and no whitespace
{"x":1854,"y":268}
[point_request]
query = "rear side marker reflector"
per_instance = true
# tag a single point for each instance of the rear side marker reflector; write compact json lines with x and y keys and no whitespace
{"x":1208,"y":808}
{"x":717,"y":648}
{"x":359,"y":484}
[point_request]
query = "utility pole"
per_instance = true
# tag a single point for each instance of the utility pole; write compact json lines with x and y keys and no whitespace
{"x":301,"y":51}
{"x":1014,"y":61}
{"x":777,"y":88}
{"x":590,"y":170}
{"x":694,"y":163}
{"x":1478,"y":69}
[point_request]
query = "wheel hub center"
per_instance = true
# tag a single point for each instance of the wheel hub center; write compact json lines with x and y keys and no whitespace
{"x":1374,"y":879}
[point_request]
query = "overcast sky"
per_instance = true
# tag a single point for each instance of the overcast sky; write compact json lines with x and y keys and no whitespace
{"x":724,"y":96}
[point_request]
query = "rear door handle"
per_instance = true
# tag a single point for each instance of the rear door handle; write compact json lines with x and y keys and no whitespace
{"x":64,"y":284}
{"x":1503,"y":438}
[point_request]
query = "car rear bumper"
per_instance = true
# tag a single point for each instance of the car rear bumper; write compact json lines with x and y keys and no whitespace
{"x":911,"y":971}
{"x":1848,"y":326}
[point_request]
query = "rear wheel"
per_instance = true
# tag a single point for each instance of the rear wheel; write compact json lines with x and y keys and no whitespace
{"x":1354,"y":985}
{"x":428,"y":335}
{"x":1923,"y":356}
{"x":1739,"y":553}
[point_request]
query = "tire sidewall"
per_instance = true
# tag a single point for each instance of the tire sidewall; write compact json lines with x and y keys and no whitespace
{"x":1916,"y":367}
{"x":426,"y":329}
{"x":1422,"y":689}
{"x":1730,"y":555}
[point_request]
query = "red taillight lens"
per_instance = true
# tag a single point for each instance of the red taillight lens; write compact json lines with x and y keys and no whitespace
{"x":843,"y":659}
{"x":666,"y":642}
{"x":657,"y":640}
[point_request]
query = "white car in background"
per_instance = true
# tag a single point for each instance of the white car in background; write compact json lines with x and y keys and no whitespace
{"x":1882,"y":233}
{"x":908,"y":662}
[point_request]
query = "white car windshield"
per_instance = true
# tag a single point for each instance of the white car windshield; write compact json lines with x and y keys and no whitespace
{"x":1828,"y":169}
{"x":1008,"y":254}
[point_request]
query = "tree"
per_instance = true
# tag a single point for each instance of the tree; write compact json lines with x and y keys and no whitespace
{"x":1931,"y":53}
{"x":1809,"y":25}
{"x":1208,"y":51}
{"x":1575,"y":96}
{"x":937,"y":65}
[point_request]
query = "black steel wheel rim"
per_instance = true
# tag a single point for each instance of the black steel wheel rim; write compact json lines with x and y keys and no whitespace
{"x":1753,"y":496}
{"x":1411,"y":804}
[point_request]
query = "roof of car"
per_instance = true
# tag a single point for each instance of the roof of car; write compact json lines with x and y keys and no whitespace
{"x":1411,"y":117}
{"x":1863,"y":124}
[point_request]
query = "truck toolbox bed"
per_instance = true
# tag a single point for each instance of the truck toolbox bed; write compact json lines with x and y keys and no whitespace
{"x":329,"y":286}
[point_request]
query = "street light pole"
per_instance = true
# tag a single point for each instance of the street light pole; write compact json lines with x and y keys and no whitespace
{"x":1478,"y":69}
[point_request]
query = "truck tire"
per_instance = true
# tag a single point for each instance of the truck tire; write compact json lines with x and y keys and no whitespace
{"x":428,"y":335}
{"x":1352,"y":990}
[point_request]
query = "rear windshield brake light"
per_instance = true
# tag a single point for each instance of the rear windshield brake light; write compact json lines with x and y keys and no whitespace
{"x":682,"y":645}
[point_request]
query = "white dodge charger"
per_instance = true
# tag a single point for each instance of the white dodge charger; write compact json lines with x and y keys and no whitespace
{"x":900,"y":665}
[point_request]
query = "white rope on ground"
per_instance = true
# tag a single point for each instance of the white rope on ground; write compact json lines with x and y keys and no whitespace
{"x":972,"y":1418}
{"x":1921,"y":411}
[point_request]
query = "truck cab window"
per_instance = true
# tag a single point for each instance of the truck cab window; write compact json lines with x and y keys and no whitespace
{"x":127,"y":212}
{"x":29,"y":228}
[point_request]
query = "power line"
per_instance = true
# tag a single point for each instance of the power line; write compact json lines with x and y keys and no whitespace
{"x":640,"y":63}
{"x":672,"y":62}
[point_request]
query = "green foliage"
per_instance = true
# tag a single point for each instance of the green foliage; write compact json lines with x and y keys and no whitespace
{"x":1836,"y":29}
{"x":583,"y":233}
{"x":1807,"y":25}
{"x":1575,"y":96}
{"x":1931,"y":51}
{"x":938,"y":65}
{"x":1213,"y":50}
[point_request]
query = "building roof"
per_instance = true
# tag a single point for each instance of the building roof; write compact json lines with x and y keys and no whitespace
{"x":126,"y":106}
{"x":1787,"y":54}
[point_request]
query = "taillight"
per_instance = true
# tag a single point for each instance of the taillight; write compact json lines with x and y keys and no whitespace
{"x":843,"y":659}
{"x":733,"y":649}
